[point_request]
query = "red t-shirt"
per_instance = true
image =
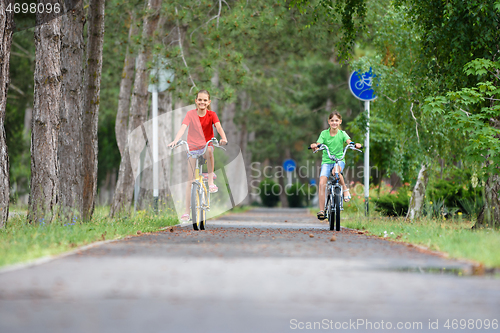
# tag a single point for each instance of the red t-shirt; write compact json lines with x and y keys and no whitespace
{"x":200,"y":128}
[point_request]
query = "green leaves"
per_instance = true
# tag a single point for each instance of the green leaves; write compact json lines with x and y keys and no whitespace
{"x":350,"y":13}
{"x":480,"y":66}
{"x":473,"y":112}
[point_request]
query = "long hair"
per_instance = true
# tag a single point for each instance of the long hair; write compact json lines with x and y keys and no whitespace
{"x":204,"y":92}
{"x":334,"y":113}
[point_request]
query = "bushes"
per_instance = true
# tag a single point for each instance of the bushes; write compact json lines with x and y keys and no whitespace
{"x":310,"y":193}
{"x":456,"y":192}
{"x":444,"y":197}
{"x":393,"y":204}
{"x":269,"y":193}
{"x":298,"y":195}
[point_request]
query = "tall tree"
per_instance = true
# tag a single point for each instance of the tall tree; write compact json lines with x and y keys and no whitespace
{"x":92,"y":85}
{"x":475,"y":113}
{"x":138,"y":110}
{"x":45,"y":120}
{"x":6,"y":31}
{"x":121,"y":125}
{"x":70,"y":132}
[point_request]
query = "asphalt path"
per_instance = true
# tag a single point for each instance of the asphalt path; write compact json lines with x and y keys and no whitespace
{"x":266,"y":270}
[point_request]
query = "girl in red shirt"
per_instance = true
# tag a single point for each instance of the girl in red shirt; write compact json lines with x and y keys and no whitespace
{"x":200,"y":123}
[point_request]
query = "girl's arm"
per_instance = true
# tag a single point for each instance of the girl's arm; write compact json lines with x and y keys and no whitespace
{"x":221,"y":132}
{"x":357,"y":145}
{"x":178,"y":136}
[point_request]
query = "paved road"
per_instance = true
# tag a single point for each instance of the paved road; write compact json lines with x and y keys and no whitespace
{"x":259,"y":271}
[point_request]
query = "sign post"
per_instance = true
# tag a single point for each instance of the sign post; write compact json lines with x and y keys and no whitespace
{"x":160,"y":77}
{"x":360,"y":85}
{"x":289,"y":166}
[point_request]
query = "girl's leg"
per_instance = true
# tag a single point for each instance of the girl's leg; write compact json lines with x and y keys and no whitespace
{"x":191,"y":166}
{"x":321,"y":194}
{"x":209,"y":156}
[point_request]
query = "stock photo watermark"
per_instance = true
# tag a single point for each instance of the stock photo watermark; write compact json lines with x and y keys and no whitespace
{"x":309,"y":171}
{"x":365,"y":324}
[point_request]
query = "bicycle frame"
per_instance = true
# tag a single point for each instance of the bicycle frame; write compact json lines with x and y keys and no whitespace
{"x":198,"y":178}
{"x":331,"y":185}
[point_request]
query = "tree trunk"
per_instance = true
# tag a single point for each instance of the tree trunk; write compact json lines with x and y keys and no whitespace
{"x":6,"y":31}
{"x":283,"y":197}
{"x":28,"y":113}
{"x":417,"y":197}
{"x":121,"y":125}
{"x":138,"y":113}
{"x":44,"y":133}
{"x":247,"y":159}
{"x":92,"y":89}
{"x":245,"y":152}
{"x":178,"y":175}
{"x":490,"y":214}
{"x":124,"y":186}
{"x":235,"y":163}
{"x":214,"y":105}
{"x":165,"y":136}
{"x":70,"y":131}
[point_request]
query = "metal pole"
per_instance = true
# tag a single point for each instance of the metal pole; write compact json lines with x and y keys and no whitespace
{"x":155,"y":150}
{"x":367,"y":158}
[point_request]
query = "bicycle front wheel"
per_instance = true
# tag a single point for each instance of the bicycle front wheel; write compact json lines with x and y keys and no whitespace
{"x":203,"y":213}
{"x":336,"y":206}
{"x":331,"y":212}
{"x":195,"y":206}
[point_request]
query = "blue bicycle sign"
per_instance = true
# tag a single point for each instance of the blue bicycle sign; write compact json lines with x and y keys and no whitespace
{"x":361,"y":85}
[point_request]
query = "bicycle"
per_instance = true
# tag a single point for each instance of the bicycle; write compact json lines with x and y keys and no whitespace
{"x":200,"y":195}
{"x":334,"y":196}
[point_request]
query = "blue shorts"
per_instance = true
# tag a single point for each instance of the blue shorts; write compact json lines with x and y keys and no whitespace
{"x":326,"y":169}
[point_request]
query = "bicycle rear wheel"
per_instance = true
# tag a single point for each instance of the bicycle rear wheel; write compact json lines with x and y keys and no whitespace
{"x":336,"y":198}
{"x":195,"y":206}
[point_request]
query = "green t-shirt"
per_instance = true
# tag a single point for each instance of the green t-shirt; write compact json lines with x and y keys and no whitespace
{"x":334,"y":143}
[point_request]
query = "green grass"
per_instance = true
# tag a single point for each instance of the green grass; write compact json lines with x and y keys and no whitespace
{"x":21,"y":242}
{"x":453,"y":237}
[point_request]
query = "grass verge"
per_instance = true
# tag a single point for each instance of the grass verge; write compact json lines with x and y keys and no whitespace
{"x":453,"y":237}
{"x":21,"y":242}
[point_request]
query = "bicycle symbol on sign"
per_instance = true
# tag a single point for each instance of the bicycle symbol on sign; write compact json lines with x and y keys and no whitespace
{"x":365,"y":81}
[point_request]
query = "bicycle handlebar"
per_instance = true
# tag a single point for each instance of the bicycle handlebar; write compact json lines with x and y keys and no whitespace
{"x":212,"y":140}
{"x":334,"y":158}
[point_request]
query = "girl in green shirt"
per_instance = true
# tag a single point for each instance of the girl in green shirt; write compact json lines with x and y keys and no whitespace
{"x":334,"y":138}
